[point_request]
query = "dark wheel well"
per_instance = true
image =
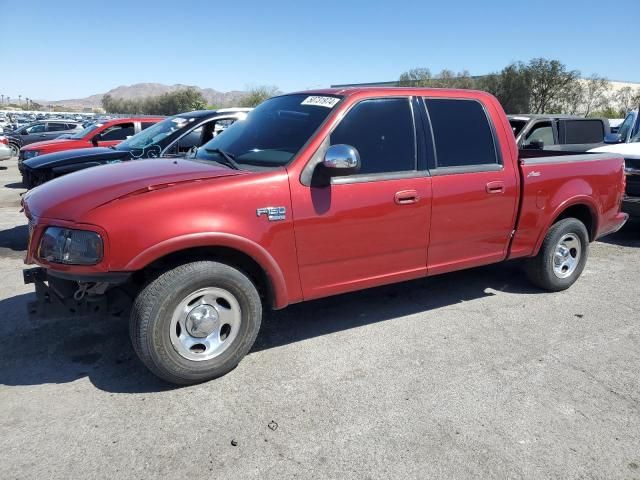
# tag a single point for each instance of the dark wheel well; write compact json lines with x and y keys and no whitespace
{"x":584,"y":214}
{"x":229,"y":256}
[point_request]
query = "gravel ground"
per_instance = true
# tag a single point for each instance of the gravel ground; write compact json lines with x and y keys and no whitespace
{"x":467,"y":375}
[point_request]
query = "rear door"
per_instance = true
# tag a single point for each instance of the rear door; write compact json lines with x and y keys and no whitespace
{"x":474,"y":190}
{"x":55,"y":129}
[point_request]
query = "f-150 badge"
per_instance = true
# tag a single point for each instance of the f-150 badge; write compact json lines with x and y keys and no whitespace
{"x":273,"y":213}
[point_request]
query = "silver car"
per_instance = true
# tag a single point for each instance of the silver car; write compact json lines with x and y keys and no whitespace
{"x":5,"y":150}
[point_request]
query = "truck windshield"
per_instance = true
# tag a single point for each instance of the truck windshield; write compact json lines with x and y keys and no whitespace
{"x":155,"y":133}
{"x":273,"y":133}
{"x":80,"y":135}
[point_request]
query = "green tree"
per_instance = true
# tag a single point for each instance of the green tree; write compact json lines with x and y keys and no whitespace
{"x":416,"y":77}
{"x":257,"y":95}
{"x":550,"y":80}
{"x":169,"y":103}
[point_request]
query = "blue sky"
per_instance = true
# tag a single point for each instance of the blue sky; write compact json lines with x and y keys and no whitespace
{"x":66,"y":49}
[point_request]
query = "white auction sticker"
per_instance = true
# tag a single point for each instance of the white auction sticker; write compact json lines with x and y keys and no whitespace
{"x":328,"y":102}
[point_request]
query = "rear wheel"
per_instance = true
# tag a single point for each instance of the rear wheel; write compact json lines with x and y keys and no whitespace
{"x":562,"y":256}
{"x":195,"y":322}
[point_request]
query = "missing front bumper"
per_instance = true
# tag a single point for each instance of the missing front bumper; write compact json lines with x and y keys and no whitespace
{"x":55,"y":297}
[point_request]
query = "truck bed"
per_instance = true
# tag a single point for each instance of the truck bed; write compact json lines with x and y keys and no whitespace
{"x":548,"y":178}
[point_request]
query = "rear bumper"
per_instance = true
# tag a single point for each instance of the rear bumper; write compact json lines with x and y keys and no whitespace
{"x":616,"y":224}
{"x":631,"y":205}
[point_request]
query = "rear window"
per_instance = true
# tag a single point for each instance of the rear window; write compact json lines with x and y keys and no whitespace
{"x":461,"y":132}
{"x":57,"y":127}
{"x":583,"y":131}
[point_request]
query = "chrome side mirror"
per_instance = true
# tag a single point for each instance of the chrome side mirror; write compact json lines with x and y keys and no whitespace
{"x":341,"y":160}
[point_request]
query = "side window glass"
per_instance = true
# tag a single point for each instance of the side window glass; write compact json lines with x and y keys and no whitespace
{"x":461,"y":132}
{"x":626,"y":126}
{"x":117,"y":132}
{"x":57,"y":127}
{"x":541,"y":132}
{"x":383,"y":133}
{"x":584,"y":131}
{"x":38,"y":128}
{"x":190,"y":140}
{"x":145,"y":125}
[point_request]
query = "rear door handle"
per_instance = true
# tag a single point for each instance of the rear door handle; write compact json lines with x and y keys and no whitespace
{"x":406,"y":197}
{"x":495,"y":187}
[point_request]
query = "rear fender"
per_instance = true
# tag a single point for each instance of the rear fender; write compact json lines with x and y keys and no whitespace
{"x":570,"y":201}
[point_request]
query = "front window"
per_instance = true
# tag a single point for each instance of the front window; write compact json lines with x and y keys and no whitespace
{"x":273,"y":133}
{"x":155,"y":134}
{"x":626,"y":126}
{"x":82,"y":134}
{"x":517,"y":126}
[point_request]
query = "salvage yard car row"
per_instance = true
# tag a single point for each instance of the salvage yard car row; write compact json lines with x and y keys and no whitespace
{"x":312,"y":194}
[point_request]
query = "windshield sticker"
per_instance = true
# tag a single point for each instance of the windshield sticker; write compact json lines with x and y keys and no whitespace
{"x":328,"y":102}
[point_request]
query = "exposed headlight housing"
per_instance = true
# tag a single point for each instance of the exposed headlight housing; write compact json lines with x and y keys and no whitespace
{"x":27,"y":154}
{"x":71,"y":247}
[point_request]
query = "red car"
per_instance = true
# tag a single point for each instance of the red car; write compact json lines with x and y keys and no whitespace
{"x":313,"y":194}
{"x":101,"y":134}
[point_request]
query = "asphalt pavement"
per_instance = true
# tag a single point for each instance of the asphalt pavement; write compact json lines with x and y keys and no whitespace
{"x":474,"y":374}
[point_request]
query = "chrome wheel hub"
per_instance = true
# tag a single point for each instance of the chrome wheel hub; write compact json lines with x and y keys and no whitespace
{"x":566,"y":256}
{"x":205,"y":323}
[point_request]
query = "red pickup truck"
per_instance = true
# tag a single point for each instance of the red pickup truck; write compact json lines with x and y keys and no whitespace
{"x":314,"y":194}
{"x":99,"y":134}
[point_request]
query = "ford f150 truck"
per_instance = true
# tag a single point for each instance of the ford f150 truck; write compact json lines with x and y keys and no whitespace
{"x":313,"y":194}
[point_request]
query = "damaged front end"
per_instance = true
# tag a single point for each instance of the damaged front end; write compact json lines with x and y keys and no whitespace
{"x":60,"y":297}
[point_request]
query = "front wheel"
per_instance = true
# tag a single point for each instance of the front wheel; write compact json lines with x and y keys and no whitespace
{"x":15,"y":150}
{"x":562,"y":256}
{"x":195,"y":322}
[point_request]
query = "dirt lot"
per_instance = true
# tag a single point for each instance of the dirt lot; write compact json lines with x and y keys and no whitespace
{"x":468,"y":375}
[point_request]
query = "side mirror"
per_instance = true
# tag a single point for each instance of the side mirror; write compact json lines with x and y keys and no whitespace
{"x":613,"y":138}
{"x":535,"y":145}
{"x":341,"y":160}
{"x":25,"y":132}
{"x":95,"y":139}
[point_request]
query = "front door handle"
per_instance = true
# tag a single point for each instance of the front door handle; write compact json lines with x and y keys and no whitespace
{"x":406,"y":197}
{"x":495,"y":187}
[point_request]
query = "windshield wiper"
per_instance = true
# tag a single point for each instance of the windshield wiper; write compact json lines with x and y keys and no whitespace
{"x":229,"y":161}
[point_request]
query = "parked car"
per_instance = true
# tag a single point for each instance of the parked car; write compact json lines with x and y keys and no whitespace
{"x":172,"y":137}
{"x":106,"y":134}
{"x":628,"y":129}
{"x":558,"y":132}
{"x":5,"y":151}
{"x":314,"y":194}
{"x":631,"y":153}
{"x":39,"y":131}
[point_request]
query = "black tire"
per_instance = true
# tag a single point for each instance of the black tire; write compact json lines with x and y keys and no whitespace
{"x":540,"y":269}
{"x":152,"y":312}
{"x":15,"y":150}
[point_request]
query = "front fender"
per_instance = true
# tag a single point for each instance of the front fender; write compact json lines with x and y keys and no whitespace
{"x":214,"y":239}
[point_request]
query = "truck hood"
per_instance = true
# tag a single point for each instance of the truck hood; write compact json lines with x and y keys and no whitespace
{"x":627,"y":150}
{"x":48,"y":144}
{"x":71,"y":196}
{"x":70,"y":157}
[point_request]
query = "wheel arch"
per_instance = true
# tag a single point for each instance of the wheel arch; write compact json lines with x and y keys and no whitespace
{"x":581,"y":208}
{"x":238,"y":252}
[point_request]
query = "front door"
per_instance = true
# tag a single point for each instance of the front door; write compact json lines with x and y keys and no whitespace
{"x":371,"y":227}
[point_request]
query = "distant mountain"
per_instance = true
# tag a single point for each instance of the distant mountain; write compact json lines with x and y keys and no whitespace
{"x":140,"y":90}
